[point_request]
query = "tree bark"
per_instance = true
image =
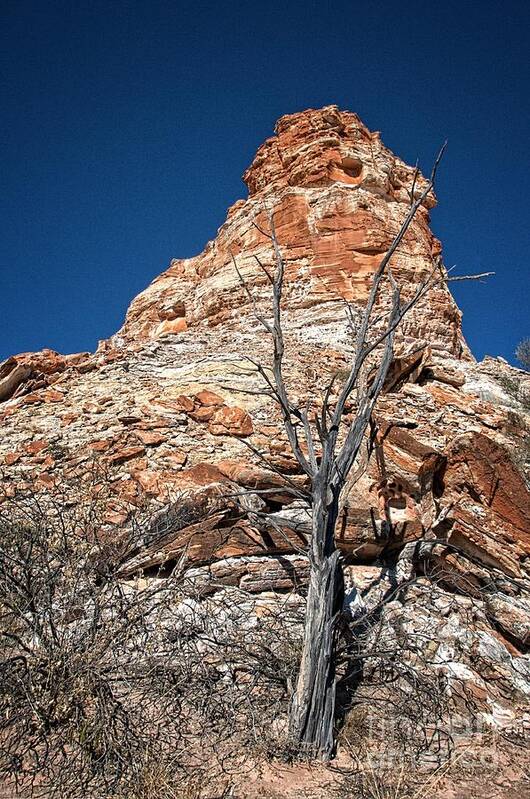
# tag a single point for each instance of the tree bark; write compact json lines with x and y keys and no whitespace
{"x":313,"y":707}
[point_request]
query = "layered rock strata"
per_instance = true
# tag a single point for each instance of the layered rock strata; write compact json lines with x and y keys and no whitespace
{"x":162,"y":415}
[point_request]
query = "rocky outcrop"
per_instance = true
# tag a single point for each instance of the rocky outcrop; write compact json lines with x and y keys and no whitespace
{"x":169,"y":414}
{"x":22,"y":374}
{"x":338,"y":197}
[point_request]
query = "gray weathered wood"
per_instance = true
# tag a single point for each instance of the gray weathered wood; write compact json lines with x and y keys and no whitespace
{"x":327,"y":453}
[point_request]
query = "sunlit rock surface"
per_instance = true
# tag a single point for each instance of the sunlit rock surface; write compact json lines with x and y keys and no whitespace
{"x":162,"y":414}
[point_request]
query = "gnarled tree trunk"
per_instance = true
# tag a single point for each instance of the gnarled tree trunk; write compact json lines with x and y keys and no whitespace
{"x":325,"y":438}
{"x":313,"y":705}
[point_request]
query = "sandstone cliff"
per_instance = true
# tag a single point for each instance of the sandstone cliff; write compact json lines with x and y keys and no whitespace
{"x":165,"y":406}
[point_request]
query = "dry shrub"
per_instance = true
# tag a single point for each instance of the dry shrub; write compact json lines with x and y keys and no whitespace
{"x":133,"y":688}
{"x":161,"y":687}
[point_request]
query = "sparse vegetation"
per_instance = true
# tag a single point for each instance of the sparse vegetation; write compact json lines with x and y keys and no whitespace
{"x":148,"y":688}
{"x":515,"y":390}
{"x":522,"y":353}
{"x":106,"y":683}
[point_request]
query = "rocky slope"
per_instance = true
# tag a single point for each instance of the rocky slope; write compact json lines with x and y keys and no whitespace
{"x":163,"y":412}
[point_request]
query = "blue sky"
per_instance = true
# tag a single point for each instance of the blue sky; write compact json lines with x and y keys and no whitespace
{"x":126,"y":127}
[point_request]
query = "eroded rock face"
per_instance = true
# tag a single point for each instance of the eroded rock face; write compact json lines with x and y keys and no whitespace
{"x":168,"y":414}
{"x":338,"y":197}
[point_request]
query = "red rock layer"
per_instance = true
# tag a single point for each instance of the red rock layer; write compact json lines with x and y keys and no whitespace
{"x":160,"y":414}
{"x":338,"y":196}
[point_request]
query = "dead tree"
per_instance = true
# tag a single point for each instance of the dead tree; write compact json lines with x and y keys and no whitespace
{"x":326,"y":445}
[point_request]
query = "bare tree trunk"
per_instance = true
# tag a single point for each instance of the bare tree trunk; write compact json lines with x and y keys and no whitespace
{"x":326,"y":457}
{"x":313,"y":707}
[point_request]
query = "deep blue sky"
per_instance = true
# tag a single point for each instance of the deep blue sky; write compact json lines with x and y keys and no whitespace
{"x":126,"y":127}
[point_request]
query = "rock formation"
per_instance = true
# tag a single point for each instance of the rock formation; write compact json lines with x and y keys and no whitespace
{"x":162,"y":413}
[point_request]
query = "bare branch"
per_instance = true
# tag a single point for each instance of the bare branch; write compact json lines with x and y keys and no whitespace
{"x":258,"y":316}
{"x":360,"y":347}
